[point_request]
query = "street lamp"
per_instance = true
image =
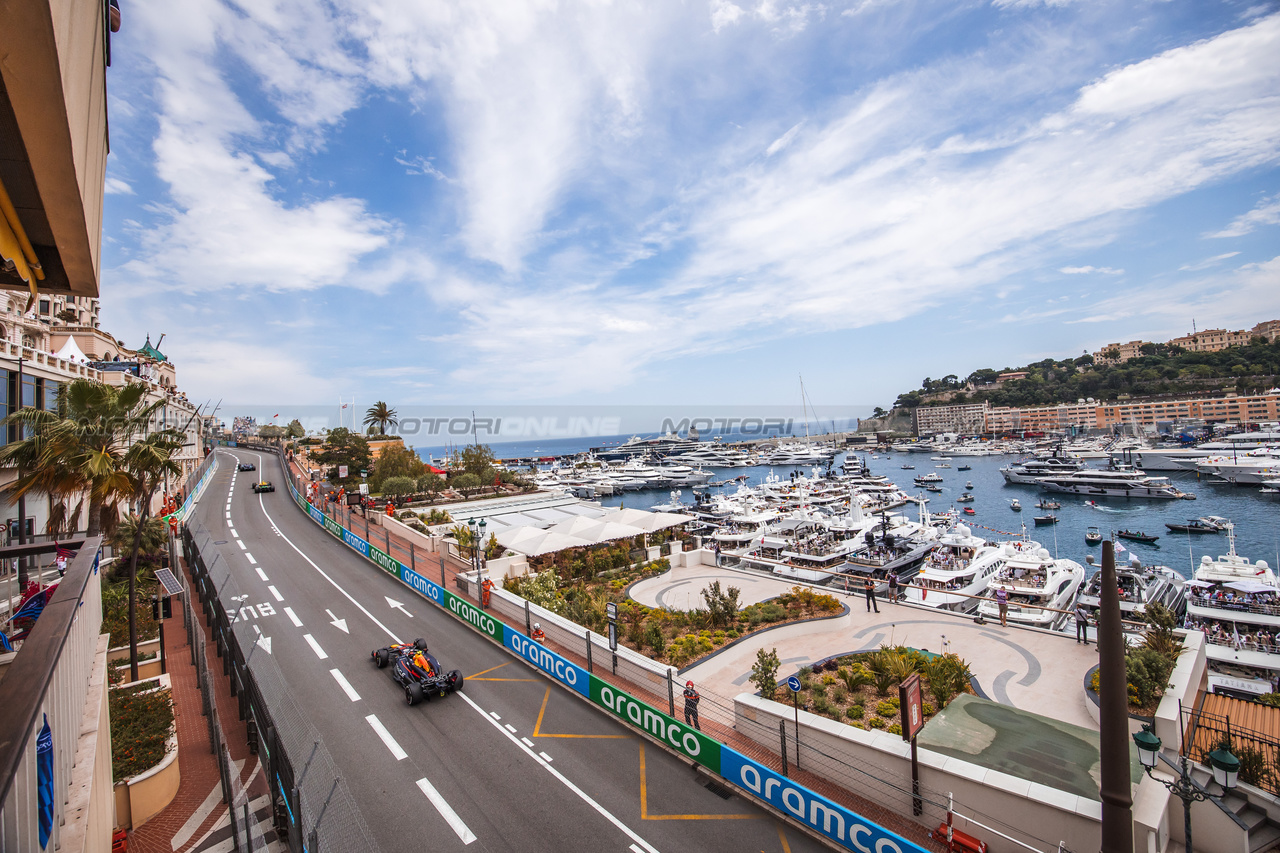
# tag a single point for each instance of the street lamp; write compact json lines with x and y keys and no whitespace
{"x":1225,"y":767}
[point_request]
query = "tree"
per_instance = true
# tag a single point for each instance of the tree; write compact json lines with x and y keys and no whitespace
{"x":395,"y":461}
{"x":879,"y":412}
{"x":294,"y":429}
{"x":147,"y":462}
{"x":345,"y":447}
{"x":79,"y":447}
{"x":722,"y":606}
{"x":397,"y":486}
{"x":380,"y":415}
{"x":430,"y":483}
{"x":476,"y":459}
{"x":764,"y":672}
{"x":272,"y":432}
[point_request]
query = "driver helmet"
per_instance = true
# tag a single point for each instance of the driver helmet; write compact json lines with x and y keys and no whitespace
{"x":537,"y":626}
{"x":688,"y":684}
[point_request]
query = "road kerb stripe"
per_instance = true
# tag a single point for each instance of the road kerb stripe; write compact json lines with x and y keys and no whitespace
{"x":293,"y":617}
{"x":345,"y":685}
{"x":381,"y":731}
{"x":249,"y":557}
{"x":241,"y":544}
{"x":544,"y":755}
{"x":465,"y":834}
{"x":262,"y":574}
{"x":315,"y":647}
{"x":274,"y":591}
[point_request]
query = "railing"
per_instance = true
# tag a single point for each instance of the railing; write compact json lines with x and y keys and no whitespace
{"x":1235,"y":606}
{"x":48,"y":682}
{"x":1259,"y":754}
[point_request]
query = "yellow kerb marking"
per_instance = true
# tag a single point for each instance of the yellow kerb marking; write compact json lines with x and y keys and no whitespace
{"x":644,"y":804}
{"x":786,"y":848}
{"x":538,"y":732}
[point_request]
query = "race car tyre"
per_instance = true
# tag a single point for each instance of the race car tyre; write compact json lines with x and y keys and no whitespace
{"x":420,"y":644}
{"x":413,"y":693}
{"x":455,"y":680}
{"x":381,"y":657}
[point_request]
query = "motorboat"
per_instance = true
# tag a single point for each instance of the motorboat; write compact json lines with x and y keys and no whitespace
{"x":969,"y":510}
{"x":965,"y":498}
{"x":1040,"y":588}
{"x":1015,"y":505}
{"x":942,"y":465}
{"x":1042,"y":520}
{"x":1193,"y":525}
{"x":908,"y":467}
{"x":1137,"y":536}
{"x":965,"y":468}
{"x":1093,"y":536}
{"x":1047,"y":504}
{"x":969,"y":485}
{"x":1113,"y":484}
{"x":931,"y":477}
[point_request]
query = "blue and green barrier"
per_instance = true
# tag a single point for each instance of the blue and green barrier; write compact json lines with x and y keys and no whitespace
{"x":814,"y":810}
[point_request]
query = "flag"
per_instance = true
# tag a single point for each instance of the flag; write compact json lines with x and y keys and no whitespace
{"x":66,"y":553}
{"x":344,"y":405}
{"x":4,"y":642}
{"x":44,"y":781}
{"x":1235,"y":634}
{"x":1120,"y":549}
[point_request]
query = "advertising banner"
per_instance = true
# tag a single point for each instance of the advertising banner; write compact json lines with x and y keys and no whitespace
{"x":567,"y":673}
{"x":459,"y":607}
{"x":831,"y":819}
{"x":674,"y":733}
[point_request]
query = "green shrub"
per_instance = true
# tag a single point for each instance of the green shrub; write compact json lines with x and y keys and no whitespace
{"x":1271,"y":700}
{"x":887,"y":708}
{"x":875,"y":723}
{"x":1148,"y":671}
{"x":855,"y":712}
{"x":140,"y":727}
{"x":764,"y":672}
{"x":771,"y":612}
{"x":654,"y":638}
{"x":894,"y":729}
{"x":839,"y":693}
{"x":927,"y":709}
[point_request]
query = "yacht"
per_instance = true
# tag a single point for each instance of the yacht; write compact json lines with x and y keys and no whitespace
{"x":1139,"y":586}
{"x":931,"y":477}
{"x":1113,"y":484}
{"x":1041,"y":589}
{"x":1173,"y":458}
{"x":1237,"y":604}
{"x":1249,"y":468}
{"x":1029,"y":471}
{"x":956,"y":572}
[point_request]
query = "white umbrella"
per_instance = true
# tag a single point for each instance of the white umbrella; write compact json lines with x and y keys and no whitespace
{"x":1200,"y":584}
{"x":1251,"y":586}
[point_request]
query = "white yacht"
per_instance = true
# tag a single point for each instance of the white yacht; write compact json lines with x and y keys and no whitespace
{"x":956,"y":571}
{"x":1246,"y":468}
{"x":1172,"y":458}
{"x":683,"y":475}
{"x":1139,"y":586}
{"x":1029,"y":471}
{"x":1237,"y":604}
{"x":1112,"y":484}
{"x":1038,"y":587}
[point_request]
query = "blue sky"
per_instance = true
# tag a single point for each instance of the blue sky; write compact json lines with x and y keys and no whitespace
{"x":477,"y":203}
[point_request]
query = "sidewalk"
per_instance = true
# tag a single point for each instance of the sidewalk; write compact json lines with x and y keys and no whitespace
{"x":191,"y":822}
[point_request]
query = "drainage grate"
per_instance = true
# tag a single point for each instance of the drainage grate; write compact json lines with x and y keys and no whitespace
{"x":221,"y":542}
{"x":719,"y":790}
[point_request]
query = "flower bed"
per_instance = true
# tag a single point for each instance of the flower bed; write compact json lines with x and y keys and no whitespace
{"x":141,"y":722}
{"x":861,"y":689}
{"x":676,"y":637}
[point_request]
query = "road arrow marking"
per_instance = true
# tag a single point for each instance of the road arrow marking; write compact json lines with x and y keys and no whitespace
{"x":397,"y":605}
{"x":340,"y":624}
{"x":263,"y":641}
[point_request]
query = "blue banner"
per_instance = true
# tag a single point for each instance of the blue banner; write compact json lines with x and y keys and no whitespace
{"x":44,"y":781}
{"x":831,"y":819}
{"x":567,"y":673}
{"x":355,"y":542}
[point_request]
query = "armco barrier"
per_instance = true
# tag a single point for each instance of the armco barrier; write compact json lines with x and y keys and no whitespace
{"x":819,"y":813}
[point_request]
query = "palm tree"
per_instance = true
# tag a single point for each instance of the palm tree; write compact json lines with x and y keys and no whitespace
{"x":382,"y":416}
{"x":146,"y":464}
{"x":80,"y":447}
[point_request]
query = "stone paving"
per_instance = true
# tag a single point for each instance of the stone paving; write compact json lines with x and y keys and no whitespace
{"x":1038,"y":671}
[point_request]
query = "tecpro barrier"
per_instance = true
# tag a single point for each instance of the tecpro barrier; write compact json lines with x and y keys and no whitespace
{"x":828,"y":818}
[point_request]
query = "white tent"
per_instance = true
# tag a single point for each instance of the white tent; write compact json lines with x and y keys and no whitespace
{"x":648,"y":522}
{"x":596,"y":531}
{"x":549,"y":543}
{"x":71,"y":352}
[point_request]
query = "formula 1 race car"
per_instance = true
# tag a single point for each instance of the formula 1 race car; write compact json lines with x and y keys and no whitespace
{"x":264,"y":486}
{"x":246,"y":466}
{"x":417,"y":671}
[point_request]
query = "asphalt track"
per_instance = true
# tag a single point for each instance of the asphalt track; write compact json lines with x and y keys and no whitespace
{"x":511,"y":763}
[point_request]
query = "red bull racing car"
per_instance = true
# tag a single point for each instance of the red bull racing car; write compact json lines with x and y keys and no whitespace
{"x":417,"y":671}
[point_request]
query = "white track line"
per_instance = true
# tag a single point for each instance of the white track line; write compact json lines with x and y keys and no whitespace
{"x":544,"y":755}
{"x":293,"y":617}
{"x":510,"y":728}
{"x":234,"y":535}
{"x":315,"y":647}
{"x":446,"y":812}
{"x":381,"y":731}
{"x":586,"y":798}
{"x":526,"y":741}
{"x":361,"y":607}
{"x":274,"y":591}
{"x":345,"y":685}
{"x":249,"y":557}
{"x":262,"y":574}
{"x":241,"y":544}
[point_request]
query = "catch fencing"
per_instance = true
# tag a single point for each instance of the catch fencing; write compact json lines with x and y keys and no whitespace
{"x":313,"y":808}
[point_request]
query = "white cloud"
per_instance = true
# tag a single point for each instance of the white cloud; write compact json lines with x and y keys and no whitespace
{"x":115,"y":186}
{"x":782,"y":141}
{"x":1266,"y":213}
{"x":227,"y":224}
{"x":724,"y":13}
{"x":1207,"y":262}
{"x":1087,"y":270}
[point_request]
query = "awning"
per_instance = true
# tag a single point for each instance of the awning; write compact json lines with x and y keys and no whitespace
{"x":1250,"y":586}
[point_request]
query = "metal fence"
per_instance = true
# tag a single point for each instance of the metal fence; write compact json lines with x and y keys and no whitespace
{"x":1259,"y":753}
{"x":314,"y":808}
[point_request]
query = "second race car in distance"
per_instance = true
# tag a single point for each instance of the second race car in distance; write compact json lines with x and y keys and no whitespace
{"x":417,"y":671}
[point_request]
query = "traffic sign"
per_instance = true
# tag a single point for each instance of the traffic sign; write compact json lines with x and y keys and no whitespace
{"x":793,"y":683}
{"x":611,"y":610}
{"x":613,"y":636}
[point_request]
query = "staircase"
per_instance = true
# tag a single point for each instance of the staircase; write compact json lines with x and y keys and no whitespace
{"x":1264,"y":833}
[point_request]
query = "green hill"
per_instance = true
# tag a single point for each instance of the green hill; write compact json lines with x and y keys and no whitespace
{"x":1163,"y":370}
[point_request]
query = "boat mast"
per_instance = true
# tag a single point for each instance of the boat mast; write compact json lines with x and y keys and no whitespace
{"x":804,"y":407}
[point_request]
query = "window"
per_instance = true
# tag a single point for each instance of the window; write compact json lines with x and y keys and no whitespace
{"x":50,"y":395}
{"x":44,"y":306}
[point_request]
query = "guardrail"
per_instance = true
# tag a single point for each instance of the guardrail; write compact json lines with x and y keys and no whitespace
{"x":43,"y":695}
{"x":819,"y":813}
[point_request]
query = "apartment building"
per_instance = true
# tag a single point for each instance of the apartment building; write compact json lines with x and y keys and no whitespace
{"x":1042,"y":418}
{"x":963,"y":419}
{"x":1209,"y":340}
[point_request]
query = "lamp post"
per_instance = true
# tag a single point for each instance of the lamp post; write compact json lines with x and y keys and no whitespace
{"x":1225,"y":766}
